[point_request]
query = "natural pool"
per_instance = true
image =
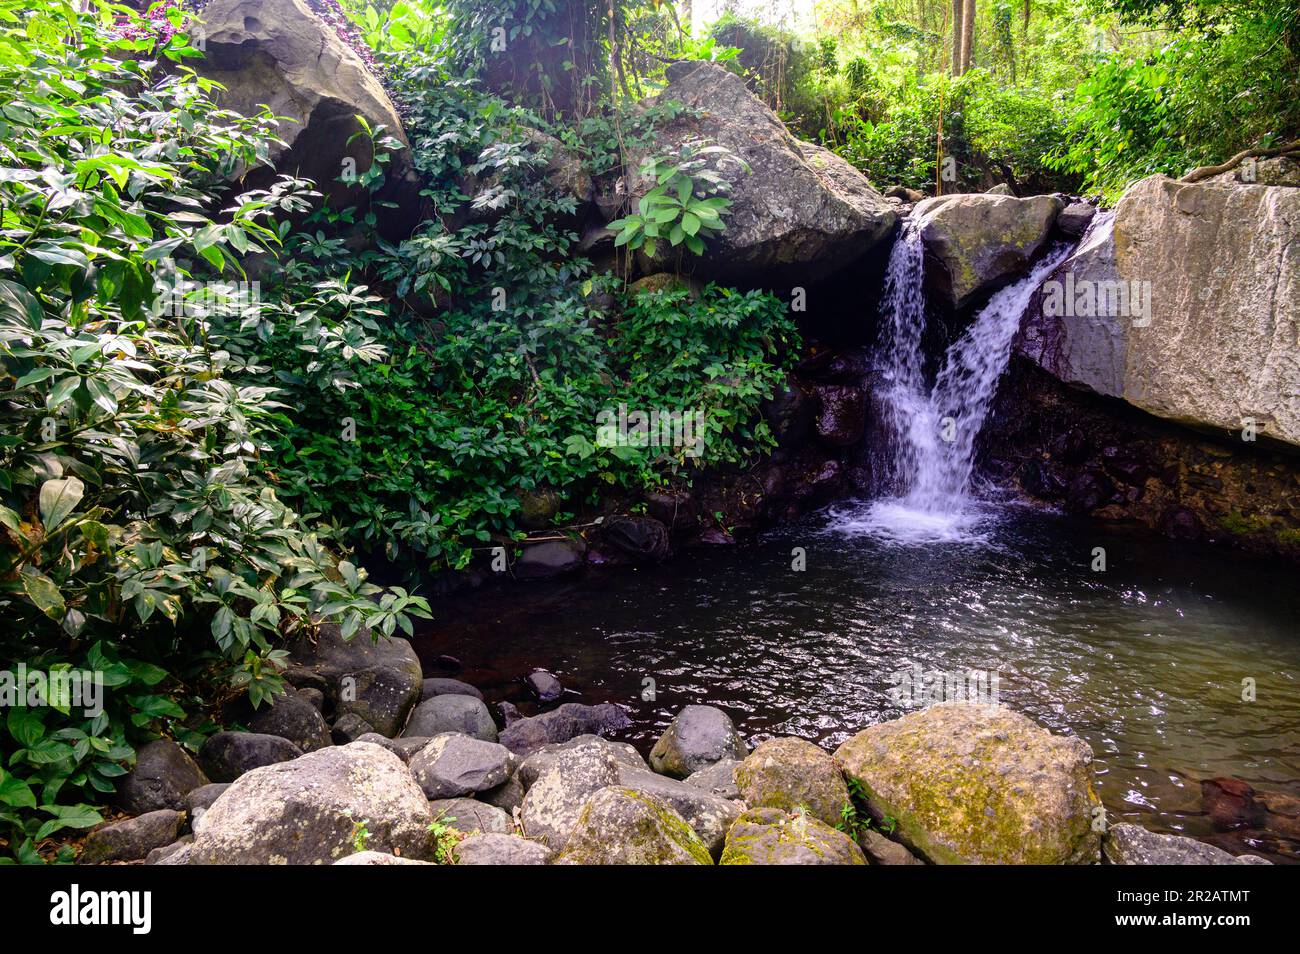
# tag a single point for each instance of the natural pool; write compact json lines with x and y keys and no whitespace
{"x":1145,"y":660}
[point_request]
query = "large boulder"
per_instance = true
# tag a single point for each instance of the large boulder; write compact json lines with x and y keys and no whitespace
{"x":375,"y":678}
{"x":1184,"y":303}
{"x":308,"y":811}
{"x":451,"y":765}
{"x":555,"y":798}
{"x":698,"y":736}
{"x":976,"y":242}
{"x":227,"y":755}
{"x":280,"y":54}
{"x":453,"y":713}
{"x":1127,"y":844}
{"x":769,"y":836}
{"x":792,"y":773}
{"x":975,"y":783}
{"x":620,"y":826}
{"x":163,"y":775}
{"x":799,"y":208}
{"x":544,"y":758}
{"x":709,"y":815}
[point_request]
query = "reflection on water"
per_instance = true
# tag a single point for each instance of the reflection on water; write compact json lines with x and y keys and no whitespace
{"x":1144,"y":660}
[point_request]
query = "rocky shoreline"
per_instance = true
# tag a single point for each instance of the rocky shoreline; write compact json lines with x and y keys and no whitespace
{"x":408,"y":770}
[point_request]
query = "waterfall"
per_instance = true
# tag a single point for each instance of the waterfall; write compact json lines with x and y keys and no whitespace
{"x":933,"y":428}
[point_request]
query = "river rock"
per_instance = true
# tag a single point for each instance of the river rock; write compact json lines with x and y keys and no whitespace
{"x":463,"y":714}
{"x":349,"y":727}
{"x":882,"y":851}
{"x":799,"y":208}
{"x":306,"y":811}
{"x":975,"y":783}
{"x":698,"y":737}
{"x":708,"y":815}
{"x":619,"y":826}
{"x":227,"y":755}
{"x":131,"y":839}
{"x":281,"y":54}
{"x":561,"y":724}
{"x":977,"y":242}
{"x":451,"y":765}
{"x":541,"y":760}
{"x":377,"y":679}
{"x":404,"y":748}
{"x":498,"y":849}
{"x":443,"y":686}
{"x":163,"y":775}
{"x":544,"y":686}
{"x":294,"y":718}
{"x":556,"y":796}
{"x":769,"y":836}
{"x":718,"y":779}
{"x":468,"y":815}
{"x":549,"y":559}
{"x":642,"y":539}
{"x":1210,"y":340}
{"x":507,"y":796}
{"x":1075,"y":218}
{"x":200,"y":799}
{"x":159,"y":855}
{"x":1127,"y":844}
{"x":790,"y":773}
{"x":378,"y":858}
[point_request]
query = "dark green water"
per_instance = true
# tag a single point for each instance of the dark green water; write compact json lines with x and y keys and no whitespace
{"x":1145,"y":660}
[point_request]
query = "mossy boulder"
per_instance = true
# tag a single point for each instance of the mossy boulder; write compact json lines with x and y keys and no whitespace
{"x":792,"y":773}
{"x":770,"y":836}
{"x":975,"y":243}
{"x":619,"y":826}
{"x":973,"y":783}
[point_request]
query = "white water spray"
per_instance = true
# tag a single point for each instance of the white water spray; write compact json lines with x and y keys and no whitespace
{"x":934,"y":428}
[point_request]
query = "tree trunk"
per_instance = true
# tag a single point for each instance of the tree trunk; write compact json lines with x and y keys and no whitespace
{"x":967,"y":34}
{"x":957,"y":6}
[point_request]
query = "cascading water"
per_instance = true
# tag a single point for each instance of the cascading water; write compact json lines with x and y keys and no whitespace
{"x":934,"y":427}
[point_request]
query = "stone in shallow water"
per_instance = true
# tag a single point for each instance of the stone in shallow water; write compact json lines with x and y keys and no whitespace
{"x":770,"y":836}
{"x":980,"y":784}
{"x":699,"y":736}
{"x":1127,"y":844}
{"x":619,"y":826}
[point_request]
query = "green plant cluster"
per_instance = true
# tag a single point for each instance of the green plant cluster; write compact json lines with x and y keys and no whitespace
{"x":139,"y":536}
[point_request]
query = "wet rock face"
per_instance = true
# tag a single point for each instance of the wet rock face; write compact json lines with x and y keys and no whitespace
{"x":1117,"y":464}
{"x":976,"y":242}
{"x":279,"y":53}
{"x":1200,"y":318}
{"x":973,"y":783}
{"x":842,"y":414}
{"x":800,"y":207}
